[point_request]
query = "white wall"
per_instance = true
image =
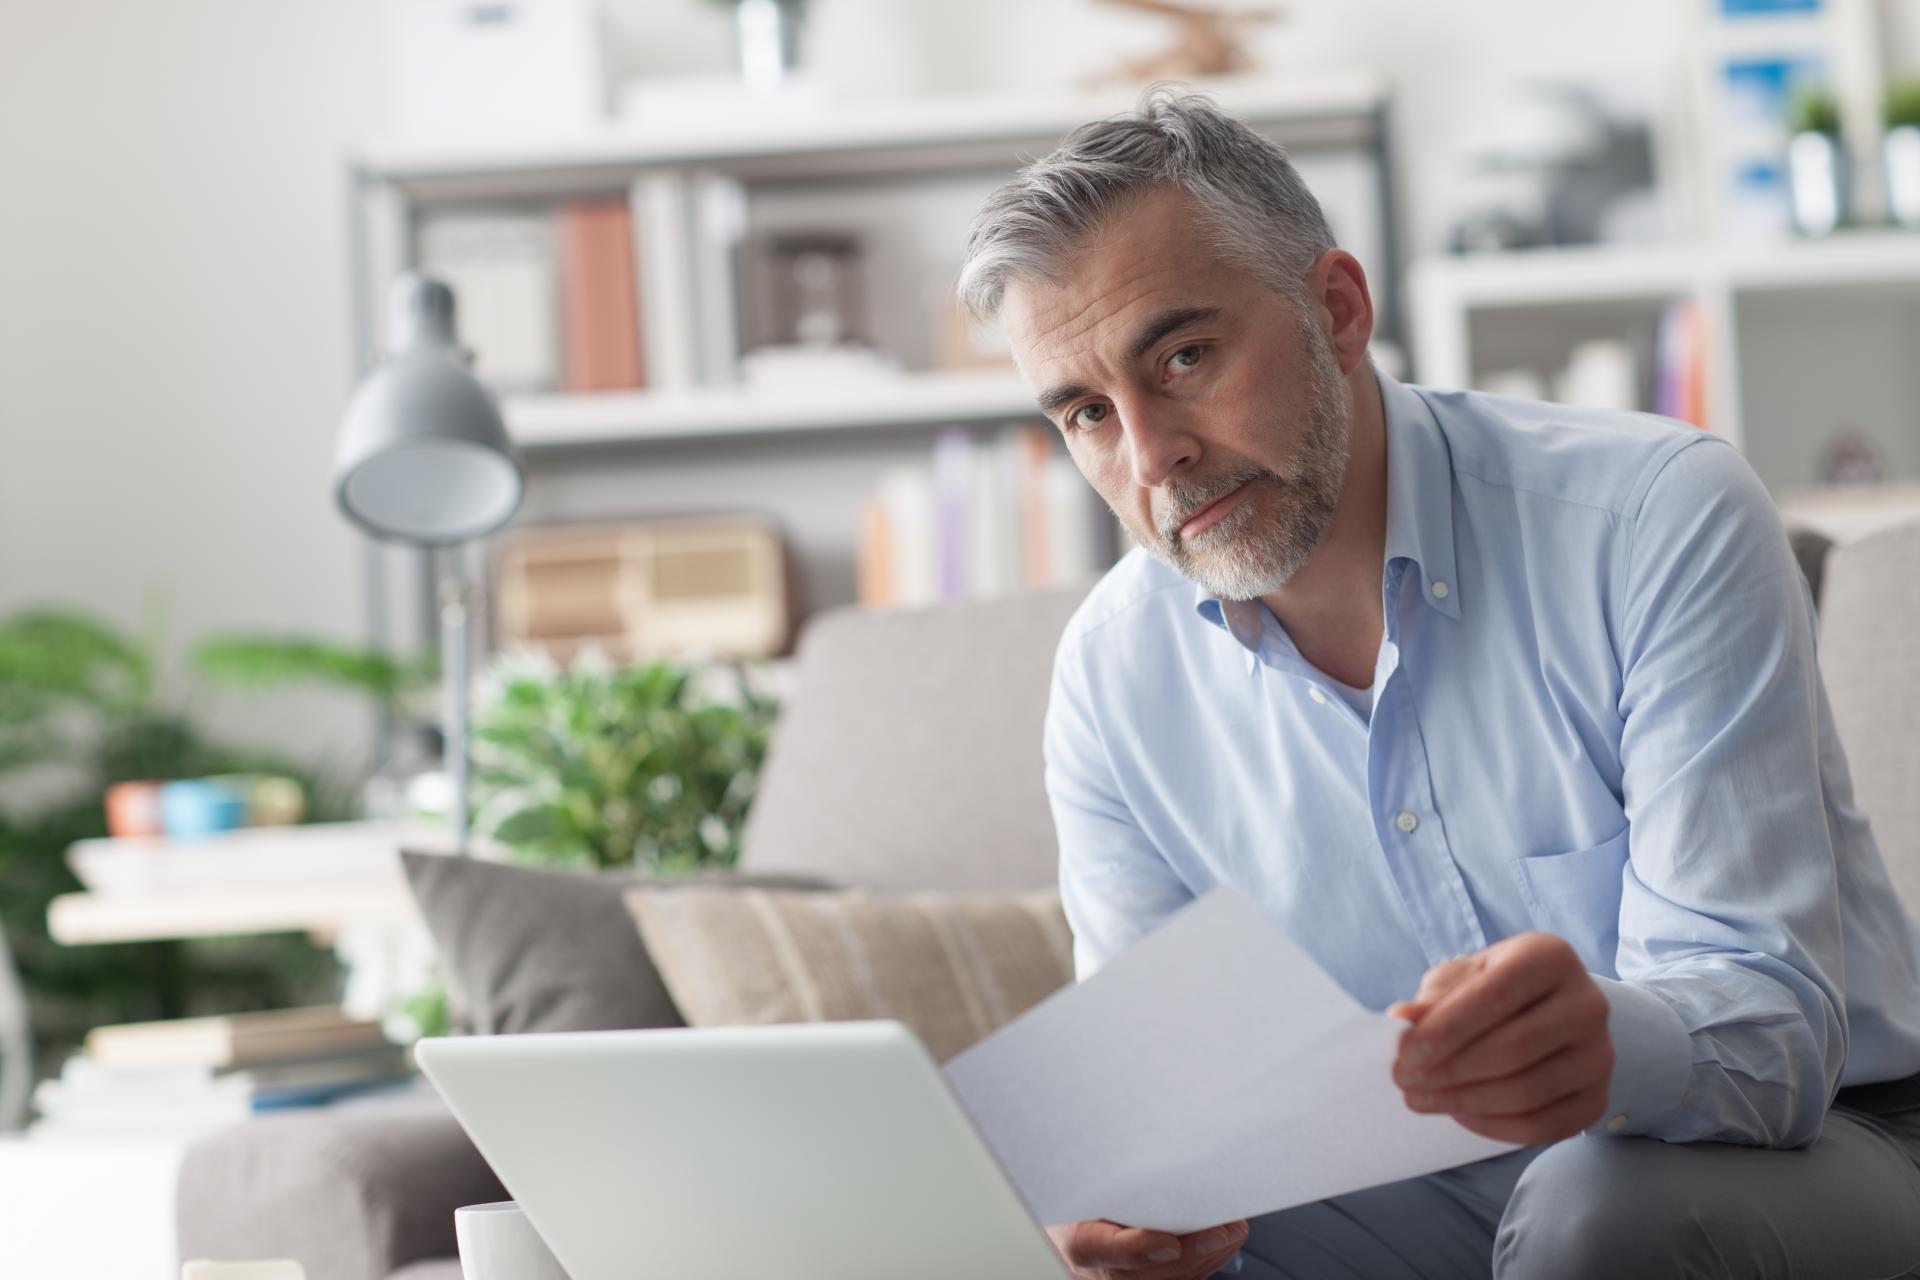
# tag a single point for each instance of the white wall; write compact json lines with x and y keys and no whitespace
{"x":173,"y":284}
{"x":173,"y":302}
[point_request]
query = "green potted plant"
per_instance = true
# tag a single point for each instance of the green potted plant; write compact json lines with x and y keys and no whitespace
{"x":81,"y":708}
{"x":1900,"y":151}
{"x":651,"y":766}
{"x":1817,"y":173}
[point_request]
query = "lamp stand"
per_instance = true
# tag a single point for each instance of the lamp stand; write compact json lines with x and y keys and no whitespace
{"x":454,"y":609}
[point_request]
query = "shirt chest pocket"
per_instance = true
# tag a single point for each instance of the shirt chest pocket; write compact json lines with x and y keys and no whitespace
{"x":1577,"y":896}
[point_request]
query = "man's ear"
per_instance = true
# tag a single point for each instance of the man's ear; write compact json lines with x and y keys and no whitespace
{"x":1337,"y":287}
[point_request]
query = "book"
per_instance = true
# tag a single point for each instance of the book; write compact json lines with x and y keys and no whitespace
{"x":231,"y":1040}
{"x":81,"y":1074}
{"x":599,"y":297}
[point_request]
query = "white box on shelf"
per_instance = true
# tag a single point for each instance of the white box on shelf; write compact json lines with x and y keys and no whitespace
{"x":483,"y":67}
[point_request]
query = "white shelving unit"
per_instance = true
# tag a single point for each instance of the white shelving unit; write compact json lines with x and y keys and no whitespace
{"x":713,"y":413}
{"x":905,"y":176}
{"x":1802,"y":335}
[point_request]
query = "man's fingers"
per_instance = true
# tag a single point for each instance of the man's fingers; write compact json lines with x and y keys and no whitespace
{"x":1153,"y":1255}
{"x":1198,"y":1259}
{"x":1447,"y":975}
{"x":1101,"y":1243}
{"x":1573,"y":1070}
{"x":1513,"y":978}
{"x":1535,"y":1035}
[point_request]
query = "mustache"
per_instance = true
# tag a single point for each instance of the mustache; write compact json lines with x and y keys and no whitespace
{"x":1184,"y":501}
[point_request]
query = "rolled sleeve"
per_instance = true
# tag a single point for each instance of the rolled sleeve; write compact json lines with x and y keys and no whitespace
{"x":1730,"y":915}
{"x":1652,"y":1057}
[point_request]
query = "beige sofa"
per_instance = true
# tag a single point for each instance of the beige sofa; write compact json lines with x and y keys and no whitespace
{"x":908,"y":759}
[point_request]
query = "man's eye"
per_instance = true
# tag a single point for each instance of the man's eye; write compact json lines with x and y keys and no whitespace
{"x":1194,"y":352}
{"x":1075,"y":419}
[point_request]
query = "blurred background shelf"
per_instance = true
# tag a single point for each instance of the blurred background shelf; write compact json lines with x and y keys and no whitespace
{"x":726,"y":215}
{"x":1799,"y":346}
{"x":923,"y":135}
{"x":715,"y":413}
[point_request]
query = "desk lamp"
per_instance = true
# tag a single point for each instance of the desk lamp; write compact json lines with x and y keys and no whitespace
{"x":424,"y":460}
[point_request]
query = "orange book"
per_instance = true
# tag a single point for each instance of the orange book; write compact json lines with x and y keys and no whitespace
{"x":875,"y":555}
{"x":600,"y":297}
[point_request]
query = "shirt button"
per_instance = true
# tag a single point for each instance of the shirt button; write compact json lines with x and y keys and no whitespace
{"x":1406,"y":821}
{"x":1616,"y":1124}
{"x":1313,"y":691}
{"x":1439,"y":591}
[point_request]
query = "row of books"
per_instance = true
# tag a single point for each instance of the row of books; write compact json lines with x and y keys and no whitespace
{"x":983,"y":518}
{"x":191,"y":1074}
{"x":1664,"y":371}
{"x":546,"y":301}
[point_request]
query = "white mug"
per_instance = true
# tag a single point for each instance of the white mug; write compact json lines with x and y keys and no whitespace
{"x":498,"y":1243}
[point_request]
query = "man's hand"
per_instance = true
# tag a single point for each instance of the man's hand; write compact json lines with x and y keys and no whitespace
{"x":1511,"y":1041}
{"x":1102,"y":1250}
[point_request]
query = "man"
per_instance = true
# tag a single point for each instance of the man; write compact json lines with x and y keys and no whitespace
{"x":1508,"y":713}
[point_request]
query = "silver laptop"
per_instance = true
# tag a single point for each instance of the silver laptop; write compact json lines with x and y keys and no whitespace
{"x":830,"y":1151}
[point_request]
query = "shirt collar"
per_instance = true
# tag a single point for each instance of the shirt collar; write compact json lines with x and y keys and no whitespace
{"x":1419,"y":495}
{"x":1419,"y":517}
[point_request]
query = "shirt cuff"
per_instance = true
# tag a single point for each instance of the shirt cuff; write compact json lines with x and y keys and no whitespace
{"x":1652,"y":1060}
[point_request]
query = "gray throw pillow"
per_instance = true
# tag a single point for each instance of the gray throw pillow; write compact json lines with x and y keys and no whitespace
{"x":531,"y":949}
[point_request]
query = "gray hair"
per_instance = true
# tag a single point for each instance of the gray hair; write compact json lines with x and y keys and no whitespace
{"x":1253,"y":208}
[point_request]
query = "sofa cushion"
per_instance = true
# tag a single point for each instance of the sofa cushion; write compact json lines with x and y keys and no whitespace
{"x":1869,"y":610}
{"x":534,"y":949}
{"x":908,"y":754}
{"x":951,"y":966}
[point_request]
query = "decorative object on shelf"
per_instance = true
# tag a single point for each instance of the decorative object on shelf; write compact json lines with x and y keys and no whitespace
{"x":1211,"y":42}
{"x":768,"y":34}
{"x":456,"y":67}
{"x":600,"y":765}
{"x":1589,"y":165}
{"x":805,"y":289}
{"x":133,"y":809}
{"x":424,"y":459}
{"x":195,"y":807}
{"x":1900,"y":152}
{"x":646,"y":590}
{"x":1817,"y":174}
{"x":1851,"y":456}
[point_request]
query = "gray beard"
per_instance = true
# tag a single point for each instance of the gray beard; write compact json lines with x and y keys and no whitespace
{"x":1241,"y":556}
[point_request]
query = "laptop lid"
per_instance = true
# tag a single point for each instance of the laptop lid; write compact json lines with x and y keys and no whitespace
{"x":825,"y":1151}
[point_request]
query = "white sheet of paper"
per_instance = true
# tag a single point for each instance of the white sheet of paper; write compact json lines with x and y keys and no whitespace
{"x":1209,"y":1073}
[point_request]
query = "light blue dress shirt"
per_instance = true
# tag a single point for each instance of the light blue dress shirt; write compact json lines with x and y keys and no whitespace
{"x":1595,"y":712}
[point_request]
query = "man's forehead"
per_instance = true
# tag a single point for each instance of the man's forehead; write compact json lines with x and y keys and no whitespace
{"x":1051,"y":319}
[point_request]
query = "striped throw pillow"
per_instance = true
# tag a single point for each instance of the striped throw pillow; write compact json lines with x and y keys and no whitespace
{"x":953,"y":966}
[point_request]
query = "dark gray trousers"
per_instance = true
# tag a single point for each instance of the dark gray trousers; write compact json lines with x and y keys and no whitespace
{"x":1846,"y":1206}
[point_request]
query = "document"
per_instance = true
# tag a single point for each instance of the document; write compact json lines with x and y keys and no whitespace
{"x":1209,"y":1073}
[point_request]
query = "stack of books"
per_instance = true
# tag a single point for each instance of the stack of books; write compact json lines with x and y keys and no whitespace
{"x":986,"y":518}
{"x":202,"y":1073}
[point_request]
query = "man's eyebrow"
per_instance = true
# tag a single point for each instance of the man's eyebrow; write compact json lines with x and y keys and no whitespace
{"x":1157,"y":328}
{"x":1165,"y":323}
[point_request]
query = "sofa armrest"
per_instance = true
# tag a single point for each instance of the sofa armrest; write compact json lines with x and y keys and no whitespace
{"x":354,"y":1191}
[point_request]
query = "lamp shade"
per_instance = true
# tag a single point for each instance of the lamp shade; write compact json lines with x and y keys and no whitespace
{"x":423,"y":456}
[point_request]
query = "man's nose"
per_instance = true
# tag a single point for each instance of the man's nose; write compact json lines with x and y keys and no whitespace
{"x":1159,"y":442}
